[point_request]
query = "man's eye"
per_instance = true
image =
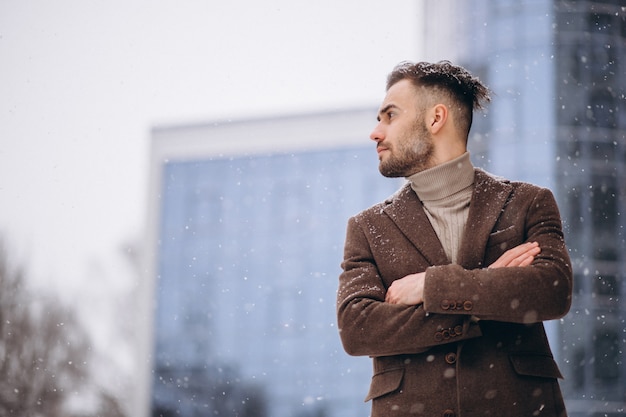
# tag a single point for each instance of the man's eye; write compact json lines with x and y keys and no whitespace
{"x":391,"y":114}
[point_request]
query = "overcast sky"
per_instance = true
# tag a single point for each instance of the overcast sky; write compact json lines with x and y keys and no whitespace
{"x":83,"y":82}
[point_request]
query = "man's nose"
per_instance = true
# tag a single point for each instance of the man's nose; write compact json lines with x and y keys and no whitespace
{"x":377,"y":134}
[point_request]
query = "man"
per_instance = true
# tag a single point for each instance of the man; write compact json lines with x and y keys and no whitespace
{"x":446,"y":284}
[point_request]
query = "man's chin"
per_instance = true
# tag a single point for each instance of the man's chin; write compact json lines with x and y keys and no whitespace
{"x":389,"y":173}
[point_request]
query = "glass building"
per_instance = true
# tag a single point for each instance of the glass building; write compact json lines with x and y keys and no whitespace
{"x":248,"y":229}
{"x":558,"y":119}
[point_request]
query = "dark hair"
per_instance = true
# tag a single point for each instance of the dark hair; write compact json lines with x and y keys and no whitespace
{"x":444,"y":77}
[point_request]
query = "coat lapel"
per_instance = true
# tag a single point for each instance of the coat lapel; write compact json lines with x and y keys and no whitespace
{"x":406,"y":211}
{"x":489,"y":197}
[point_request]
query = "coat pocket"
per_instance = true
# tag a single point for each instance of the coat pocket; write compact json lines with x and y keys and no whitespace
{"x":502,"y":236}
{"x":535,"y":365}
{"x":385,"y":382}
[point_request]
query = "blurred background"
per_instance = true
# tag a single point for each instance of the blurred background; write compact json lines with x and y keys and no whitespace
{"x":175,"y":180}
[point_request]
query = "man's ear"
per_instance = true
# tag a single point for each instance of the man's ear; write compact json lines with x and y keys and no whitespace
{"x":438,"y":118}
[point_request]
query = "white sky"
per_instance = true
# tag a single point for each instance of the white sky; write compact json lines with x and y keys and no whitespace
{"x":82,"y":83}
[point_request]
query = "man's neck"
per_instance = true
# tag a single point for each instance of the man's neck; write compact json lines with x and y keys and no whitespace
{"x":452,"y":150}
{"x":443,"y":179}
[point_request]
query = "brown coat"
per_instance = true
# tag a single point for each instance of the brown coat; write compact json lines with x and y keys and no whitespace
{"x":477,"y":346}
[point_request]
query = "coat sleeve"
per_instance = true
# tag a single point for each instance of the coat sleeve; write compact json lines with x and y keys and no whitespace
{"x":541,"y":291}
{"x":370,"y":326}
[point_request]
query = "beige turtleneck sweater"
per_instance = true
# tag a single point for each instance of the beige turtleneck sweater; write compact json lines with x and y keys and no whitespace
{"x":445,"y":191}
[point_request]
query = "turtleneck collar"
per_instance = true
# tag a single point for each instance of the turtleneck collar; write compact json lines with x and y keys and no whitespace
{"x":443,"y":180}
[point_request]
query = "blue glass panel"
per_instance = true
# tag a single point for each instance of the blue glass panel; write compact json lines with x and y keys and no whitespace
{"x":249,"y":256}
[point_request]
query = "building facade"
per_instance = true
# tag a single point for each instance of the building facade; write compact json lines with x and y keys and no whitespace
{"x":558,"y":118}
{"x":248,"y":235}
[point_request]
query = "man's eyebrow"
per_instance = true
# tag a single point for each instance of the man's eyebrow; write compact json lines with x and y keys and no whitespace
{"x":385,"y":110}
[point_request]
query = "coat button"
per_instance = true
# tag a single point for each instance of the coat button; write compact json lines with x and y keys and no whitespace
{"x":445,"y":304}
{"x":450,"y":358}
{"x":458,"y":330}
{"x":448,"y":413}
{"x":438,"y":337}
{"x":468,"y":305}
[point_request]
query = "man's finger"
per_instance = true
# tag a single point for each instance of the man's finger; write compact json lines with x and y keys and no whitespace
{"x":521,"y":255}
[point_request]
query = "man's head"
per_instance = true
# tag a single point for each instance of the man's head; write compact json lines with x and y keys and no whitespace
{"x":444,"y":82}
{"x":426,"y":116}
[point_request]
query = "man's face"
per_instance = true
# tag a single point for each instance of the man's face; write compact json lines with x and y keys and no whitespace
{"x":403,"y":142}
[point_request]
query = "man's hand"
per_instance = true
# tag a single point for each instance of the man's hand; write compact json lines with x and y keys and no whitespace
{"x":408,"y":290}
{"x":522,"y":255}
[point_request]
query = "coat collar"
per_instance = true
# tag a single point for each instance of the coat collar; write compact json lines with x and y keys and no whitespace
{"x":488,"y":198}
{"x":407,"y":212}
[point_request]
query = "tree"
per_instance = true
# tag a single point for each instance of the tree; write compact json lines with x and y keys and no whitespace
{"x":44,"y":352}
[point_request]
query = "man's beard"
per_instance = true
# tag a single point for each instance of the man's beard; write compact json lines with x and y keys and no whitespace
{"x":410,"y":155}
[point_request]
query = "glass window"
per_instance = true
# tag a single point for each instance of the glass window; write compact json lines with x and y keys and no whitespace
{"x":603,"y":62}
{"x":579,"y":286}
{"x":607,"y":355}
{"x":599,"y":22}
{"x":604,"y":204}
{"x":606,"y":285}
{"x":601,"y":111}
{"x":603,"y":151}
{"x":575,"y":217}
{"x":579,"y":369}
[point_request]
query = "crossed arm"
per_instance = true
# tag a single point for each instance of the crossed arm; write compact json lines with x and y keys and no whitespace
{"x":402,"y":316}
{"x":410,"y":289}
